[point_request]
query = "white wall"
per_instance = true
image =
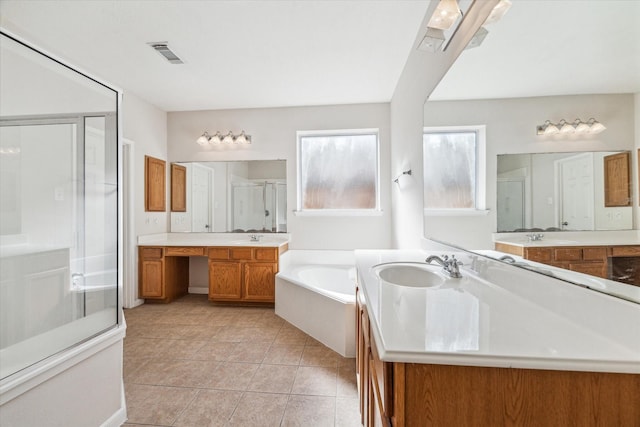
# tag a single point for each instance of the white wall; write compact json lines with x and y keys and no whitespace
{"x":510,"y":128}
{"x":273,"y":132}
{"x":146,"y":126}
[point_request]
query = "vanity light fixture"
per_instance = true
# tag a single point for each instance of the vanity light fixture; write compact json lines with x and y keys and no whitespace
{"x":447,"y":15}
{"x":228,"y":138}
{"x":565,"y":128}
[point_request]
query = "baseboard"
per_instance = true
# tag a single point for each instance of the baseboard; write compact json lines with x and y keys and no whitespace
{"x":198,"y":290}
{"x":120,"y":416}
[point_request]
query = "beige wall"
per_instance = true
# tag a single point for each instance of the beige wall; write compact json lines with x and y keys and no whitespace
{"x":273,"y":132}
{"x":510,"y":128}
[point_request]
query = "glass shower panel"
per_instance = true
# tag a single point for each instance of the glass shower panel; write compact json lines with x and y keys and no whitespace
{"x":58,"y":207}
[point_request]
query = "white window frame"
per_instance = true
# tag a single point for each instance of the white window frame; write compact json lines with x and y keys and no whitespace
{"x":481,"y":171}
{"x":300,"y":211}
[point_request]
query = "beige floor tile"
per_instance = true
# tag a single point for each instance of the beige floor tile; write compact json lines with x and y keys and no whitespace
{"x":319,"y":355}
{"x":232,"y":376}
{"x":347,"y":386}
{"x":284,"y":354}
{"x":347,"y":412}
{"x":130,"y":365}
{"x":144,"y":347}
{"x":204,"y":332}
{"x":259,"y":410}
{"x":303,"y":411}
{"x":156,"y":404}
{"x":210,"y":408}
{"x":182,"y":367}
{"x":250,"y":352}
{"x":182,"y":349}
{"x":290,"y":335}
{"x":273,"y":379}
{"x":316,"y":381}
{"x":176,"y":372}
{"x":220,"y":351}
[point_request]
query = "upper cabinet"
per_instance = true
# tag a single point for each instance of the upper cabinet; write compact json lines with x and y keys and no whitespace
{"x":617,"y":176}
{"x":178,"y":188}
{"x":154,"y":184}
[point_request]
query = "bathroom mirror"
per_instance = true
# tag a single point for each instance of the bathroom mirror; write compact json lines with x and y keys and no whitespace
{"x":236,"y":196}
{"x":539,"y":192}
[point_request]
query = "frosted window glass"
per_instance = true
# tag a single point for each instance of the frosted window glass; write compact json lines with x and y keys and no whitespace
{"x":449,"y":170}
{"x":338,"y":171}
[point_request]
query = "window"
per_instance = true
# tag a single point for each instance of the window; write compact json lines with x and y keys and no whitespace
{"x":338,"y":171}
{"x":454,"y":169}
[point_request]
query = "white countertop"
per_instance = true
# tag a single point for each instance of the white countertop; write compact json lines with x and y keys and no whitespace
{"x":213,"y":239}
{"x":499,"y":316}
{"x":571,"y":238}
{"x":610,"y":287}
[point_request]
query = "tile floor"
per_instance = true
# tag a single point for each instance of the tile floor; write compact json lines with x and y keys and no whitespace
{"x":191,"y":363}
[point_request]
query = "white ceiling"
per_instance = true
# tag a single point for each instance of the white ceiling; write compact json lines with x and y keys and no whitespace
{"x":268,"y":53}
{"x":544,"y":47}
{"x":237,"y":54}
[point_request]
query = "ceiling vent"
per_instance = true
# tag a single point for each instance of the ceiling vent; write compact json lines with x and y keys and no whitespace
{"x":163,"y":49}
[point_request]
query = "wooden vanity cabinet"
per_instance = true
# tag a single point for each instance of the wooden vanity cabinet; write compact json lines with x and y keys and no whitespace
{"x":421,"y":395}
{"x":164,"y":272}
{"x":599,"y":261}
{"x":242,"y":274}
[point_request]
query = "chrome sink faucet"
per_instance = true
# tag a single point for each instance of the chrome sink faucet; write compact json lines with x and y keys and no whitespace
{"x":535,"y":237}
{"x":254,"y":237}
{"x":450,"y":265}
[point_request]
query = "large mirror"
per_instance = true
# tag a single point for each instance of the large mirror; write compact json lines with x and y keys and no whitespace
{"x":561,"y":191}
{"x":236,"y":196}
{"x":523,"y":73}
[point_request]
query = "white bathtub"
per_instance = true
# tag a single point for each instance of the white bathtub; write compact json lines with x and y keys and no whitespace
{"x":315,"y":291}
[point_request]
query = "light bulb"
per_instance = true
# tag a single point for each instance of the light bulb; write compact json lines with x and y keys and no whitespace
{"x":203,"y":139}
{"x":446,"y":14}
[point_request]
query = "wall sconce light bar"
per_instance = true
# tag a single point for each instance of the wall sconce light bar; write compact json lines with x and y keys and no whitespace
{"x":445,"y":20}
{"x":565,"y":128}
{"x":228,"y":138}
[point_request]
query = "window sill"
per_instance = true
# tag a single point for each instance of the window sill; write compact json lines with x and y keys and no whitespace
{"x":456,"y":212}
{"x":339,"y":212}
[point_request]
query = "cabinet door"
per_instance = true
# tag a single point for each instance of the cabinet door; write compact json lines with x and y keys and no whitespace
{"x":259,"y":281}
{"x":154,"y":184}
{"x":152,"y":280}
{"x":225,"y":280}
{"x":617,"y":189}
{"x":598,"y":269}
{"x":178,"y":188}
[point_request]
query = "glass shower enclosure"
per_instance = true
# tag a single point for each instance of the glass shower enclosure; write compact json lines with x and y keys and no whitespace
{"x":58,"y":207}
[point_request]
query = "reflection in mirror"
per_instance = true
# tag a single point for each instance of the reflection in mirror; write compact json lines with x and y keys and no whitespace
{"x":237,"y":196}
{"x":558,"y":191}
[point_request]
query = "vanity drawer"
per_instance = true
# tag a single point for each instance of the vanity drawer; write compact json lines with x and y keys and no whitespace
{"x":567,"y":254}
{"x":270,"y":254}
{"x":183,"y":251}
{"x":594,"y":254}
{"x":240,"y":253}
{"x":539,"y":254}
{"x":219,"y":253}
{"x":625,"y":251}
{"x":151,"y":253}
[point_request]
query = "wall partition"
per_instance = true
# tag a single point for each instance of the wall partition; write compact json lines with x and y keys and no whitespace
{"x":58,"y":207}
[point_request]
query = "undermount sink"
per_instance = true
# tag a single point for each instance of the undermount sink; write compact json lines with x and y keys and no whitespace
{"x":411,"y":274}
